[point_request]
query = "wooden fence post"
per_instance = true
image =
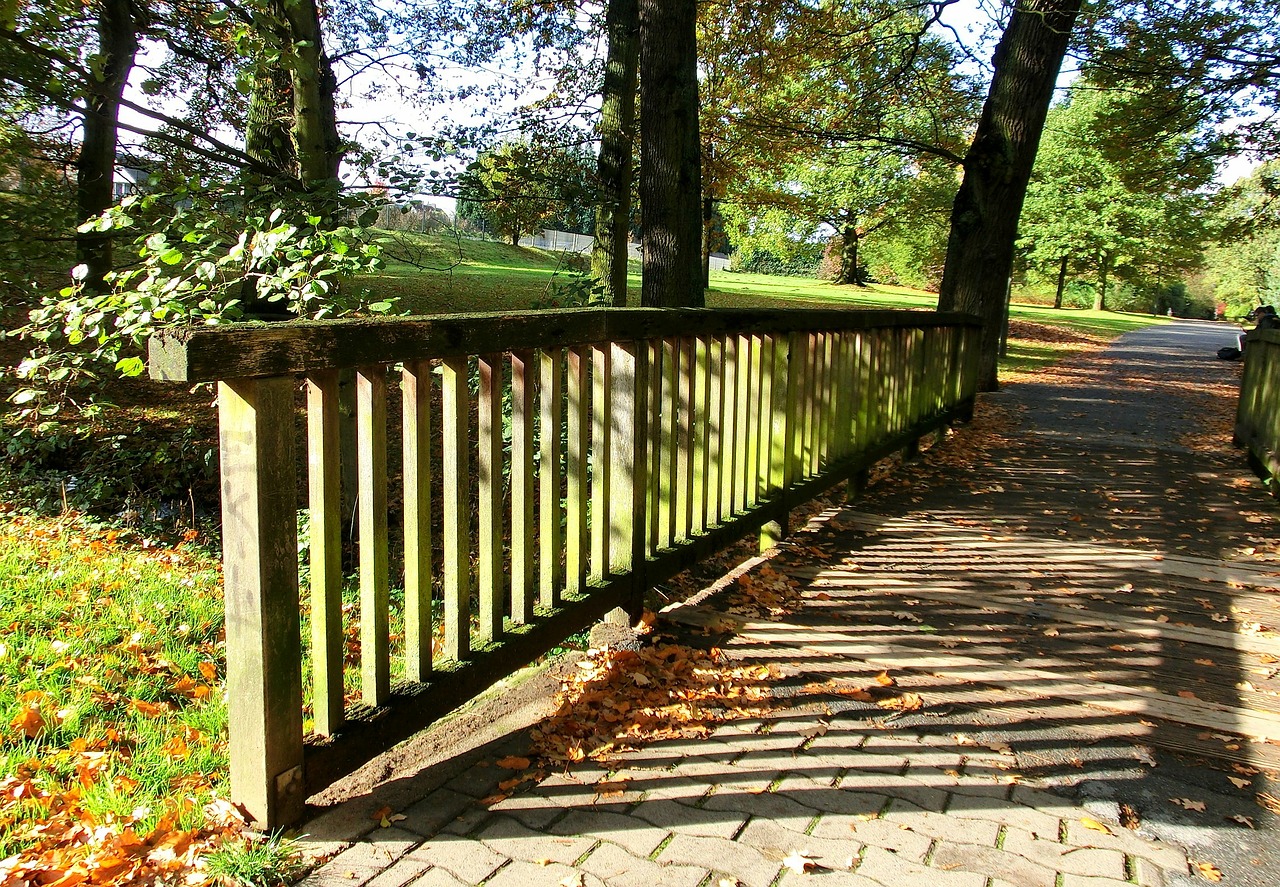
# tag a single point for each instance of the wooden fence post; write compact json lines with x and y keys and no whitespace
{"x":260,"y":571}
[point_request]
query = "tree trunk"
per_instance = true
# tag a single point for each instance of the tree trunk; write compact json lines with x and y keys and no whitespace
{"x":1100,"y":298}
{"x":708,"y":222}
{"x":849,"y":254}
{"x":268,"y":137}
{"x":1062,"y":284}
{"x":670,"y":155}
{"x":95,"y":169}
{"x":984,"y":217}
{"x":617,"y":141}
{"x":315,"y":119}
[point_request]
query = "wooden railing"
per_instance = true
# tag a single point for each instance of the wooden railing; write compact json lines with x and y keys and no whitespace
{"x":575,"y":459}
{"x":1258,"y":414}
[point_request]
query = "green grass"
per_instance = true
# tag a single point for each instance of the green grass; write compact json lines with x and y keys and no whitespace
{"x":110,"y":678}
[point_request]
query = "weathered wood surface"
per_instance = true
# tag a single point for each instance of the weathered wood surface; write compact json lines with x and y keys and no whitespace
{"x":1258,"y":413}
{"x":248,"y":350}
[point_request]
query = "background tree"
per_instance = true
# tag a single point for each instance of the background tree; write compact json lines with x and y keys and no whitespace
{"x":521,"y":187}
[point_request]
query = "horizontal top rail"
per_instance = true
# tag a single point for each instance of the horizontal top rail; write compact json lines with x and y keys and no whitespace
{"x":254,"y":350}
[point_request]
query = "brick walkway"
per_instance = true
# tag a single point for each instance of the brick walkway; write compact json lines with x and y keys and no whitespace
{"x":1030,"y":777}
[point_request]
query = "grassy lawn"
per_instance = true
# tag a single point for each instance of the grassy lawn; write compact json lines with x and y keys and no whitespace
{"x":111,"y":656}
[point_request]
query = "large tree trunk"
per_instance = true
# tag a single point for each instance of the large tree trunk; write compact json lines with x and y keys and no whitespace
{"x":670,"y":155}
{"x":849,"y":241}
{"x":1062,"y":283}
{"x":315,"y":119}
{"x":617,"y":139}
{"x":95,"y":170}
{"x":984,"y":217}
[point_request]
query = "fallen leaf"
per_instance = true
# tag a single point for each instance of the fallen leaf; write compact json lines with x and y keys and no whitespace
{"x":1188,"y":804}
{"x":1090,"y":823}
{"x":514,"y":762}
{"x":1187,"y":694}
{"x":1246,"y":821}
{"x":1051,"y":632}
{"x":800,"y":863}
{"x":1239,"y":782}
{"x":1268,"y":801}
{"x":1208,"y":662}
{"x":577,"y":879}
{"x":1209,"y":870}
{"x":884,"y":680}
{"x":381,"y":813}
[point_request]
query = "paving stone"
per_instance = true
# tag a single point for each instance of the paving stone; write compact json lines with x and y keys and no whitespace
{"x":943,"y":827}
{"x":435,"y":811}
{"x":768,"y":805}
{"x":527,"y":874}
{"x":1147,"y":873}
{"x":837,"y":800}
{"x":990,"y":862}
{"x":618,"y":868}
{"x":833,"y":878}
{"x":748,"y":865}
{"x":401,"y":873}
{"x":1166,"y":856}
{"x":898,"y":787}
{"x":517,"y":841}
{"x":634,"y":835}
{"x":568,"y":790}
{"x":367,"y":854}
{"x":1102,"y":862}
{"x":1086,"y":881}
{"x":1005,"y":812}
{"x":478,"y":781}
{"x":683,"y":819}
{"x":535,"y":811}
{"x":464,"y":858}
{"x":892,"y":870}
{"x":776,"y":842}
{"x":437,"y":878}
{"x":467,"y":822}
{"x":339,"y":876}
{"x":668,"y":786}
{"x":879,"y":833}
{"x":396,"y":841}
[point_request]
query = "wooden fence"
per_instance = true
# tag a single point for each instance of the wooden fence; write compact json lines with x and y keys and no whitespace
{"x":575,"y":459}
{"x":1258,"y":414}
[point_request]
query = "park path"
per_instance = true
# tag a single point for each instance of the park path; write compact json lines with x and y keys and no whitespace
{"x":1043,"y":655}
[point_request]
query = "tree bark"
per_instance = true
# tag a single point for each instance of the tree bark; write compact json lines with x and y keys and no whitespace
{"x":984,"y":217}
{"x":708,"y":222}
{"x":670,"y":155}
{"x":849,"y":238}
{"x":617,"y":141}
{"x":1062,"y":283}
{"x":315,"y":119}
{"x":1100,"y":297}
{"x":118,"y":23}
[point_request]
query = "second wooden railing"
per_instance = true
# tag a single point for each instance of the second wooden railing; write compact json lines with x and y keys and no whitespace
{"x":1257,"y":426}
{"x":553,"y":467}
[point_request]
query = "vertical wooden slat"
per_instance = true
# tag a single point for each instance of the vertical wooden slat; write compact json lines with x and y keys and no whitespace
{"x":415,"y":389}
{"x":701,"y":430}
{"x":576,"y":540}
{"x":813,"y":404}
{"x":550,"y":537}
{"x":764,"y":471}
{"x":730,"y":430}
{"x":653,"y":433}
{"x":715,"y":423}
{"x":755,"y":389}
{"x":742,"y":424}
{"x":627,"y":483}
{"x":684,"y":452}
{"x":455,"y":463}
{"x":670,"y":440}
{"x":325,"y":554}
{"x":260,"y":574}
{"x":523,"y":486}
{"x":489,"y":573}
{"x":371,"y":436}
{"x":601,"y":467}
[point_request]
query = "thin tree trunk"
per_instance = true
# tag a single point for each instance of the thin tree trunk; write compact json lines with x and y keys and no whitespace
{"x":708,"y":221}
{"x":1100,"y":298}
{"x":95,"y":170}
{"x":984,"y":217}
{"x":1062,"y":284}
{"x":617,"y":141}
{"x":670,"y":155}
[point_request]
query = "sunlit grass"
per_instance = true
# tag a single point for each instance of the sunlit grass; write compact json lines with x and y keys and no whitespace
{"x":110,"y":676}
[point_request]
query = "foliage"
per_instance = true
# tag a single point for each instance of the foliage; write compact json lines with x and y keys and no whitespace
{"x":1087,"y":205}
{"x":195,"y":267}
{"x":520,"y":187}
{"x":272,"y":861}
{"x":1244,"y":269}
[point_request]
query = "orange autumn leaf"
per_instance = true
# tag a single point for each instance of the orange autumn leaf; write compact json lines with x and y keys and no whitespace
{"x":28,"y":721}
{"x":514,"y":762}
{"x":209,"y":671}
{"x":1209,"y":871}
{"x":150,"y":709}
